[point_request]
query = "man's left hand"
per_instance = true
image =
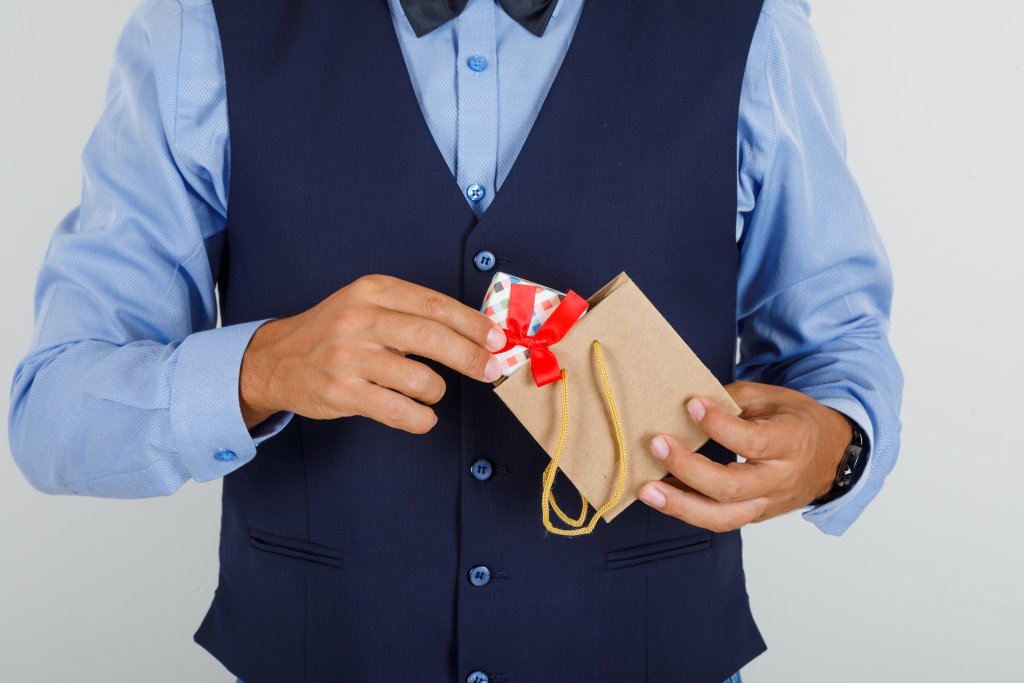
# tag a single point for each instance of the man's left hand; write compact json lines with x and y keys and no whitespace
{"x":792,"y":446}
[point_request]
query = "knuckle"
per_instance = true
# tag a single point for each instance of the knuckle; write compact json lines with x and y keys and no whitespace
{"x":429,"y":334}
{"x":423,"y":383}
{"x":417,"y":380}
{"x":435,"y":305}
{"x":730,"y":491}
{"x":348,"y":320}
{"x":340,"y":368}
{"x":374,"y":286}
{"x":376,"y":325}
{"x":365,"y":284}
{"x":675,"y":507}
{"x":482,"y":326}
{"x":762,"y":513}
{"x":396,"y":409}
{"x":337,"y":388}
{"x":761,"y":444}
{"x":742,"y":390}
{"x":339,"y":393}
{"x":478,"y":359}
{"x":807,"y":443}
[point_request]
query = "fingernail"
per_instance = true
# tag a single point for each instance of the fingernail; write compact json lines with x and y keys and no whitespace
{"x":696,"y":408}
{"x":653,"y":497}
{"x":659,"y":446}
{"x":495,"y":339}
{"x":493,"y":370}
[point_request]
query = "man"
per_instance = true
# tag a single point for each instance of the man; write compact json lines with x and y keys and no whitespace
{"x":387,"y":528}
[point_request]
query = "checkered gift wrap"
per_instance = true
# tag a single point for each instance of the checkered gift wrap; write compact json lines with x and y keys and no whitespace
{"x":495,"y":307}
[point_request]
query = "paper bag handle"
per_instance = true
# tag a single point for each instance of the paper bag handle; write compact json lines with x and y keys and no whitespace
{"x":547,"y":496}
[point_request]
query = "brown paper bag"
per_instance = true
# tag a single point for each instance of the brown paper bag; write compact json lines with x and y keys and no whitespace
{"x":652,"y":373}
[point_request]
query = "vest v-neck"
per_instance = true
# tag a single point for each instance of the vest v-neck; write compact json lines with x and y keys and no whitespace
{"x":448,"y":146}
{"x":392,"y":62}
{"x":590,"y":77}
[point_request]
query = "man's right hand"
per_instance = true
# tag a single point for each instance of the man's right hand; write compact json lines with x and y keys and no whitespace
{"x":347,"y":355}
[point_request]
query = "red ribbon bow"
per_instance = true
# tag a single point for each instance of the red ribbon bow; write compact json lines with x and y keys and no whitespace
{"x":543,"y":362}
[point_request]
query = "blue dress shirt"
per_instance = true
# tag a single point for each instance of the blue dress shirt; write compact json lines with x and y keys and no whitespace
{"x":129,"y":388}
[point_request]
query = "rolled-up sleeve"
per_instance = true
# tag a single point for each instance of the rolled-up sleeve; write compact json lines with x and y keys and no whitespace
{"x":815,"y":284}
{"x":129,"y":389}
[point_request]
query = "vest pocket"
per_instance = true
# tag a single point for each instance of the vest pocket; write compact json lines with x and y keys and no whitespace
{"x":296,"y":548}
{"x":659,"y":550}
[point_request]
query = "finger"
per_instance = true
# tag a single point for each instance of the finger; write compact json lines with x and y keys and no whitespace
{"x":406,"y":297}
{"x":430,"y":339}
{"x":729,"y":483}
{"x":753,"y":439}
{"x":394,"y":409}
{"x":753,"y":398}
{"x":412,"y":378}
{"x":699,"y":510}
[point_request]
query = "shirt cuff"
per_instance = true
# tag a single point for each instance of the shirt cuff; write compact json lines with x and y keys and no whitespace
{"x":210,"y":435}
{"x":824,"y":516}
{"x":269,"y":427}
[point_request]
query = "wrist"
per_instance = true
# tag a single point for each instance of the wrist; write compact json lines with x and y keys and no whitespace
{"x":841,"y":431}
{"x":851,"y":465}
{"x":255,"y":377}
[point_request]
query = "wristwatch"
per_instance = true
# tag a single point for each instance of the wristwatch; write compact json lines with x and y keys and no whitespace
{"x":850,"y":467}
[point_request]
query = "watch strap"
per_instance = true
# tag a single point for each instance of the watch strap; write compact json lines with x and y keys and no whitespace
{"x":850,"y":467}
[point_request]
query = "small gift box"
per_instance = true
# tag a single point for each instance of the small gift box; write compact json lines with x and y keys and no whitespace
{"x":603,"y":385}
{"x":496,"y":307}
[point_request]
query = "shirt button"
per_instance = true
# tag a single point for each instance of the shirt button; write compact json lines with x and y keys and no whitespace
{"x":477,"y":63}
{"x":475,"y":192}
{"x":484,"y":260}
{"x":482,"y":469}
{"x":478,"y":677}
{"x":224,"y":455}
{"x":479,"y":576}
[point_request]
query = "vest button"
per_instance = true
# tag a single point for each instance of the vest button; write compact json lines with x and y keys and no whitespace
{"x":478,"y":677}
{"x":479,"y":576}
{"x":484,"y":261}
{"x":482,"y":469}
{"x":475,"y":192}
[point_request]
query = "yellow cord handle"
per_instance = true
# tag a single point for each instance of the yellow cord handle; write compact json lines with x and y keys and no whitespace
{"x":547,"y":497}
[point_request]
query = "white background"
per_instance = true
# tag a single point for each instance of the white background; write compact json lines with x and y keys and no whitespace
{"x":925,"y":587}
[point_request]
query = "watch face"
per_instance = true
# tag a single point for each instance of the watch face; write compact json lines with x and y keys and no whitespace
{"x":850,"y":468}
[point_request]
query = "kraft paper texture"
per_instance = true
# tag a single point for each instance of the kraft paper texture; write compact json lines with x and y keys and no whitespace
{"x":653,"y":374}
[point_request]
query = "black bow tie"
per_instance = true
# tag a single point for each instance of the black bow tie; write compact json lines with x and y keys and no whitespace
{"x":426,"y":15}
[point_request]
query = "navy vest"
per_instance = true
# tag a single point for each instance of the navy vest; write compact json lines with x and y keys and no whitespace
{"x":346,"y":546}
